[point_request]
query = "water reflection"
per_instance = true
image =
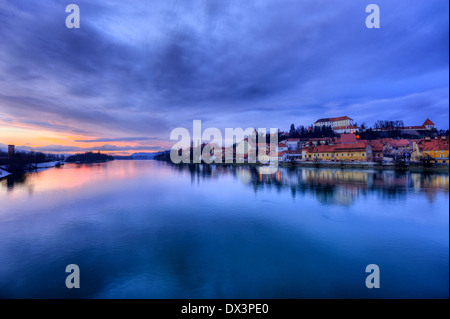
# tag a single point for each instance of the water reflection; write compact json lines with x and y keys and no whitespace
{"x":13,"y":180}
{"x":328,"y":186}
{"x":69,"y":176}
{"x":147,"y":229}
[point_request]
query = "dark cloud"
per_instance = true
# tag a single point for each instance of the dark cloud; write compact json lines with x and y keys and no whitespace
{"x":136,"y":68}
{"x":119,"y":139}
{"x":72,"y":149}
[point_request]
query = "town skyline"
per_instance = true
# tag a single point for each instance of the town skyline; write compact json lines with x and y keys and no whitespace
{"x":112,"y":149}
{"x":339,"y":126}
{"x":133,"y":72}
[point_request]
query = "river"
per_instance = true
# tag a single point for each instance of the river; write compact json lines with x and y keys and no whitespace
{"x":147,"y":229}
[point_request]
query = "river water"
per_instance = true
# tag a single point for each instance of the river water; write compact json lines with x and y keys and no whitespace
{"x":147,"y":229}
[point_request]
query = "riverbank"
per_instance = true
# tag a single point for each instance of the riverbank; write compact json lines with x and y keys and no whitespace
{"x":377,"y":166}
{"x":10,"y":168}
{"x":3,"y":173}
{"x":442,"y":168}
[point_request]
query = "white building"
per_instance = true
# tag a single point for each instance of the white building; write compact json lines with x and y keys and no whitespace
{"x":292,"y":143}
{"x":334,"y":121}
{"x":282,"y":147}
{"x":349,"y":129}
{"x":295,"y":155}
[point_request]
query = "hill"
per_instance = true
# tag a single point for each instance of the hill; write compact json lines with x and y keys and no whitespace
{"x":89,"y":157}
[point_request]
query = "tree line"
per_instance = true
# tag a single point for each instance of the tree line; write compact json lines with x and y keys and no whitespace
{"x":22,"y":157}
{"x":89,"y":157}
{"x":364,"y":131}
{"x":311,"y":132}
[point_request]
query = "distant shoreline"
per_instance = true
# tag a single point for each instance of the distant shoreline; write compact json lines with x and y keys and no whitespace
{"x":439,"y":168}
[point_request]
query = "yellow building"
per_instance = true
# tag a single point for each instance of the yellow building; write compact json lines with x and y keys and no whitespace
{"x":352,"y":152}
{"x":355,"y":152}
{"x":438,"y":151}
{"x":322,"y":153}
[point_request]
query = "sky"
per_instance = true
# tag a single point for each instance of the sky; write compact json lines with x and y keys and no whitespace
{"x":135,"y":70}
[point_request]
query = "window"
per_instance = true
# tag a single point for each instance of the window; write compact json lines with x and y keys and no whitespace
{"x":363,"y":154}
{"x":352,"y":154}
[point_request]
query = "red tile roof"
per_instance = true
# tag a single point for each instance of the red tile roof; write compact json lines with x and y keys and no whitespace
{"x":395,"y":143}
{"x":422,"y":127}
{"x":401,"y":143}
{"x":348,"y":138}
{"x":351,"y":147}
{"x":324,"y":149}
{"x":377,"y":145}
{"x":428,"y":122}
{"x":435,"y":145}
{"x":308,"y":149}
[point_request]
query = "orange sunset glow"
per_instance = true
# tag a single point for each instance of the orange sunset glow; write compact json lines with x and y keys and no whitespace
{"x":33,"y":138}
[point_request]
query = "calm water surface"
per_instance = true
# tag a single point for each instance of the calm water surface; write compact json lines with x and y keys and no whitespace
{"x":146,"y":229}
